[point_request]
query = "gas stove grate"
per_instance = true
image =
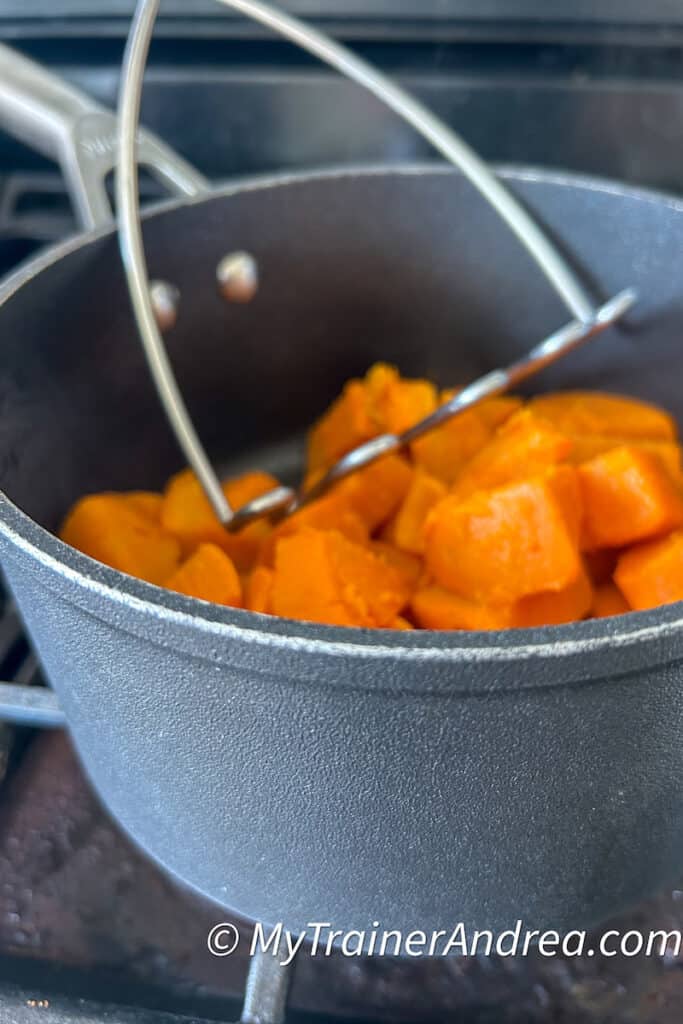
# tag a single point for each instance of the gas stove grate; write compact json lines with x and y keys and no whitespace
{"x":24,"y":699}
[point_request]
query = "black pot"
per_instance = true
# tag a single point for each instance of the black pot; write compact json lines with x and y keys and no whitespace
{"x":298,"y":772}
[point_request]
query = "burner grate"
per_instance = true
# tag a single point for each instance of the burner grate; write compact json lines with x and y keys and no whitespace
{"x":24,"y":699}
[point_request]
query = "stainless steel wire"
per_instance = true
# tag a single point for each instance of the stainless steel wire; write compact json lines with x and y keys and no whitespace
{"x":135,"y":264}
{"x":587,"y":321}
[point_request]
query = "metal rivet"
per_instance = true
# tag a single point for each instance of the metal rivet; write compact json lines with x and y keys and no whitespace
{"x":165,"y":299}
{"x":237,"y":276}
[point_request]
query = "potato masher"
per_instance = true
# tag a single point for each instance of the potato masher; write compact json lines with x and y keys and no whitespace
{"x":587,"y":321}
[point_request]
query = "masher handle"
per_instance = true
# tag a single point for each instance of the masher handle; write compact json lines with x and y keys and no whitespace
{"x":57,"y":120}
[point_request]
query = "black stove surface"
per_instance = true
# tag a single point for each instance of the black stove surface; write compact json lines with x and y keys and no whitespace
{"x":594,"y":87}
{"x":89,"y":929}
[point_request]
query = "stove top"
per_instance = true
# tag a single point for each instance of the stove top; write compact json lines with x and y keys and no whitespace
{"x":86,"y":919}
{"x":594,"y":87}
{"x":90,"y":930}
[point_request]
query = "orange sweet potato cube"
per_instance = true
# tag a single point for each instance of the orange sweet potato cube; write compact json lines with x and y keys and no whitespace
{"x":500,"y":545}
{"x":408,"y":566}
{"x":346,"y":423}
{"x":668,"y":453}
{"x":444,"y":452}
{"x":382,"y":402}
{"x":627,"y":497}
{"x":397,"y":403}
{"x":407,"y":528}
{"x":375,"y":492}
{"x":187,"y":514}
{"x":259,"y":590}
{"x":210,"y":575}
{"x":523,"y":446}
{"x":334,"y":511}
{"x":651,"y":574}
{"x":552,"y":608}
{"x":113,"y":529}
{"x":321,"y":576}
{"x":608,"y":600}
{"x":146,"y":502}
{"x":496,"y":411}
{"x":563,"y":481}
{"x":244,"y":546}
{"x":435,"y":608}
{"x":595,"y":413}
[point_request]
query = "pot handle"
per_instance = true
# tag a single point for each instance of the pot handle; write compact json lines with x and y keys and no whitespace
{"x":57,"y":120}
{"x":34,"y":706}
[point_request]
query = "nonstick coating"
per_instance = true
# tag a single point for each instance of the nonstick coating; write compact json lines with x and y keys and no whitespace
{"x":308,"y":773}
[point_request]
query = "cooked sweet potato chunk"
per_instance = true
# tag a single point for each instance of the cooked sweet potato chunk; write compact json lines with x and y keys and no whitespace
{"x":210,"y":575}
{"x":563,"y":481}
{"x":609,"y":600}
{"x":652,"y":574}
{"x":346,"y":423}
{"x":146,"y":502}
{"x":498,"y":546}
{"x":524,"y":446}
{"x":668,"y":453}
{"x":434,"y":607}
{"x":627,"y":497}
{"x":408,"y":566}
{"x":187,"y":514}
{"x":375,"y":492}
{"x":552,"y":608}
{"x":113,"y":529}
{"x":515,"y":514}
{"x":444,"y":452}
{"x":496,"y":411}
{"x":397,"y":403}
{"x":321,"y":576}
{"x":259,"y":590}
{"x":408,"y":525}
{"x":333,"y":512}
{"x":401,"y":623}
{"x":597,"y":413}
{"x":382,"y":402}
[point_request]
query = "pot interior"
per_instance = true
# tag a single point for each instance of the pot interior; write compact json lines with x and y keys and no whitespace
{"x":412,"y":268}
